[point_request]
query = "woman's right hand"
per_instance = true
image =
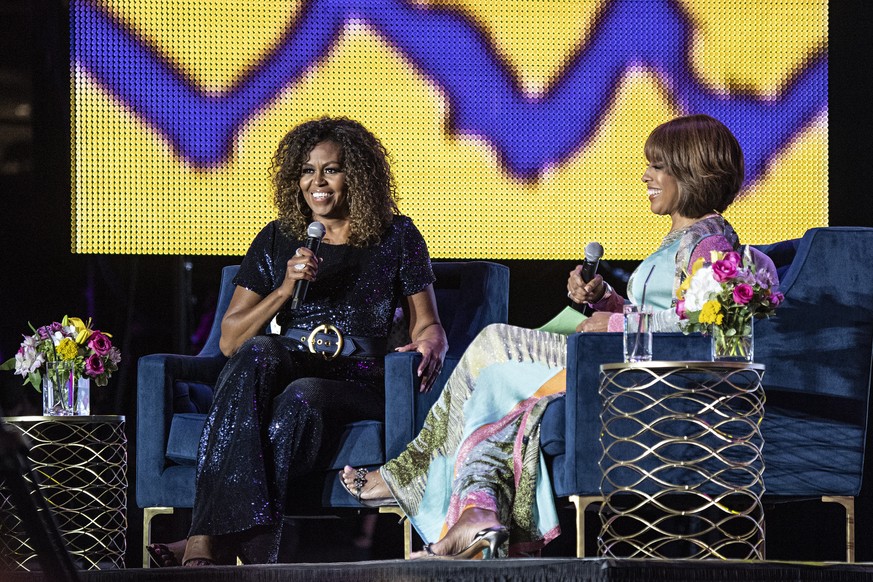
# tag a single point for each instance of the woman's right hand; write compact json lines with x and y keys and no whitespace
{"x":581,"y":292}
{"x":248,"y":313}
{"x":303,"y":265}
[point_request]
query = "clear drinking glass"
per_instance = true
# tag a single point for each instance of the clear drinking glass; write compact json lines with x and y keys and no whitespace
{"x":637,"y":333}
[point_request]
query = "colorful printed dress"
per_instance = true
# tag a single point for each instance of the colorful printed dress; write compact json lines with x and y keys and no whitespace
{"x":479,"y":446}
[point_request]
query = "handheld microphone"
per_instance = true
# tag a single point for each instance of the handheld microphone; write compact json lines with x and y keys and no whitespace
{"x":314,"y":233}
{"x":593,"y":252}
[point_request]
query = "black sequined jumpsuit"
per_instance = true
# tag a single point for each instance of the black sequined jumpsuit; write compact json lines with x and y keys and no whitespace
{"x":276,"y":408}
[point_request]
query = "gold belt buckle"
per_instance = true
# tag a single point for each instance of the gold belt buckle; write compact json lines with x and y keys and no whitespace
{"x":312,"y":342}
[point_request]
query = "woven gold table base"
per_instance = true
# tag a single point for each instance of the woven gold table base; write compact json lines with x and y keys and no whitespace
{"x":682,"y":463}
{"x":81,"y":463}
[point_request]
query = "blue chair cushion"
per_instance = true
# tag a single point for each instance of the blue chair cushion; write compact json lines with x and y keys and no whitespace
{"x":552,"y":434}
{"x":191,"y":396}
{"x":361,"y":444}
{"x":553,"y":442}
{"x":184,"y":438}
{"x":812,"y":443}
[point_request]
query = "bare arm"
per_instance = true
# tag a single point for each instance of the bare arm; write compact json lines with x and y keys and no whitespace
{"x":248,"y":313}
{"x":428,"y":336}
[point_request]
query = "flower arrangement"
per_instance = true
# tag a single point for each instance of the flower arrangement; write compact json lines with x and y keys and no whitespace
{"x":88,"y":353}
{"x":722,"y":296}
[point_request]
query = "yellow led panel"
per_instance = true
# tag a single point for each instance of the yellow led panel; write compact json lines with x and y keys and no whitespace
{"x":516,"y":127}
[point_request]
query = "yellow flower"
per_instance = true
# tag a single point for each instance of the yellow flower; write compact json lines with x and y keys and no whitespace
{"x":711,"y":313}
{"x":683,"y":287}
{"x":67,"y":349}
{"x":715,"y":256}
{"x":696,"y":265}
{"x":83,"y":331}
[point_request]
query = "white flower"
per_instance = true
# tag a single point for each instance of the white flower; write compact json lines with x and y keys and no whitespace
{"x":28,"y":360}
{"x":703,"y":287}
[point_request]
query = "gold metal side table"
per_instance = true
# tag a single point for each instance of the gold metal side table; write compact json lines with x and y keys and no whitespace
{"x":682,"y":460}
{"x":81,"y":463}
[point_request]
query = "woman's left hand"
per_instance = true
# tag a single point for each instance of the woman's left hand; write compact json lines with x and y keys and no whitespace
{"x":598,"y":321}
{"x":433,"y":351}
{"x":428,"y":336}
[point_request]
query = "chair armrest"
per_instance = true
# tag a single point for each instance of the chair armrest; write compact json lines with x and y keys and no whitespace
{"x":405,"y":406}
{"x":156,"y":377}
{"x":586,"y":352}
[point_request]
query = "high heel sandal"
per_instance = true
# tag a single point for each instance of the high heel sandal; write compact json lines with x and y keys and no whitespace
{"x":485,"y":542}
{"x":162,"y":556}
{"x":358,"y":483}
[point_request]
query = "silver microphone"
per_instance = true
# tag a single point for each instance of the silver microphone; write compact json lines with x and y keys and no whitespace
{"x":593,"y":252}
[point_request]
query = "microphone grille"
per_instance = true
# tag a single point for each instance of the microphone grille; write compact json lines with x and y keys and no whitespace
{"x":316,"y":230}
{"x":593,"y":252}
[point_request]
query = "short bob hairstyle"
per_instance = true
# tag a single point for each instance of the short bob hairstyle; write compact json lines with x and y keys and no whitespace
{"x":704,"y":157}
{"x":369,"y":182}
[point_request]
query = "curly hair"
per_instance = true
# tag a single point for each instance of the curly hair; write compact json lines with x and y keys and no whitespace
{"x":704,"y":157}
{"x":369,"y":181}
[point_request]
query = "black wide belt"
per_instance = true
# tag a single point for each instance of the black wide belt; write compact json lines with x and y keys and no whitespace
{"x":330,"y":342}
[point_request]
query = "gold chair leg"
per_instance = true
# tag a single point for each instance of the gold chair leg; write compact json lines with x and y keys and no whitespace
{"x":147,"y":514}
{"x":848,"y":504}
{"x":407,"y":528}
{"x":582,"y":502}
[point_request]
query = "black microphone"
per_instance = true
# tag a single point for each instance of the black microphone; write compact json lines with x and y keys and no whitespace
{"x":314,"y":234}
{"x":593,"y":252}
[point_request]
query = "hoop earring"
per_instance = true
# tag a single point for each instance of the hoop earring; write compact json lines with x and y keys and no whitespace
{"x":301,"y":205}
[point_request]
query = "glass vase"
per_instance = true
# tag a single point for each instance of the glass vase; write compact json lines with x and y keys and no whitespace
{"x":63,"y":392}
{"x":733,"y":345}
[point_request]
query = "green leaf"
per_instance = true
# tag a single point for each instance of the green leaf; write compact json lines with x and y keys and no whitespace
{"x":8,"y":364}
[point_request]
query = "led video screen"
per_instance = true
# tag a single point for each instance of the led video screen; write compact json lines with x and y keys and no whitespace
{"x":516,"y":127}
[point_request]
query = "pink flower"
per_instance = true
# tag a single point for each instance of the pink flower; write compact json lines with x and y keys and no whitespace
{"x":724,"y":269}
{"x":99,"y":343}
{"x":743,"y":293}
{"x":680,"y":309}
{"x":94,"y":365}
{"x":732,"y":257}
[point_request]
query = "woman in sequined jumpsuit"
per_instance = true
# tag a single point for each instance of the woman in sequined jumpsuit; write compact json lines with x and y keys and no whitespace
{"x":277,"y":406}
{"x":474,"y":478}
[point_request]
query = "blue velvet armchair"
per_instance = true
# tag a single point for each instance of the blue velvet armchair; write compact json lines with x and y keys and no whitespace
{"x":174,"y":393}
{"x":817,"y":350}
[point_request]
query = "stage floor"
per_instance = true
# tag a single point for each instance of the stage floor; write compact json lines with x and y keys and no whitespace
{"x":538,"y":569}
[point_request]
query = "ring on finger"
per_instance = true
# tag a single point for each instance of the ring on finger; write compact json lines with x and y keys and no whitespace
{"x":570,"y":294}
{"x":299,"y":266}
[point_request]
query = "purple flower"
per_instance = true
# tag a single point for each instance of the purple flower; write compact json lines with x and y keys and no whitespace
{"x":776,"y":298}
{"x":724,"y":269}
{"x":94,"y":365}
{"x":99,"y":343}
{"x":114,"y":356}
{"x":765,"y":278}
{"x":743,"y":293}
{"x":48,"y":331}
{"x":680,"y":309}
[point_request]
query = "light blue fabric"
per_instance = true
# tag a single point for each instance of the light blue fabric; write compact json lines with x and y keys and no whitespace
{"x":659,"y":290}
{"x":499,"y":389}
{"x":479,"y":445}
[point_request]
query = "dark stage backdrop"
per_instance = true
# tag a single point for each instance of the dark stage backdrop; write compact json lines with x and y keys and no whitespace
{"x":161,"y":302}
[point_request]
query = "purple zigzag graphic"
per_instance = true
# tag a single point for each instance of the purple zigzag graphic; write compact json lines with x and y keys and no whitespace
{"x":529,"y":135}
